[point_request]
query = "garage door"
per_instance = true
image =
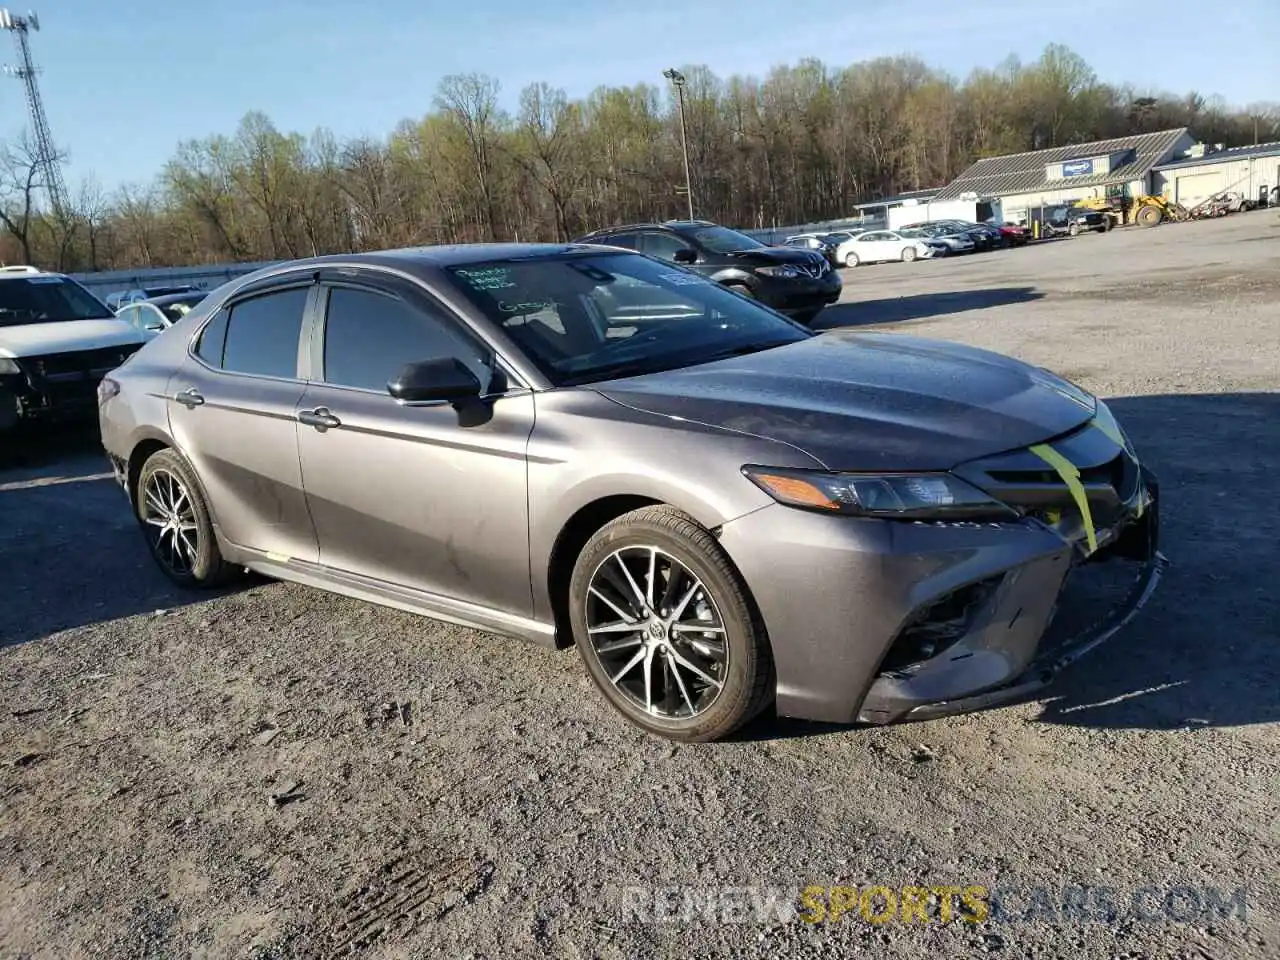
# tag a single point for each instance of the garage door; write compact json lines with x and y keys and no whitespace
{"x":1195,"y":187}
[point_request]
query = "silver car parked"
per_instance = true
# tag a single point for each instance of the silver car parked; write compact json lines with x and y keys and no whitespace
{"x":572,"y":443}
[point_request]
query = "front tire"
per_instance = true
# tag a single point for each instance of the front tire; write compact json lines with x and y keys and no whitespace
{"x":174,"y":518}
{"x":666,"y":628}
{"x":908,"y":254}
{"x":851,"y":260}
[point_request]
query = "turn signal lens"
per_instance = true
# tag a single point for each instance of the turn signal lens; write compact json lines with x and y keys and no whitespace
{"x":794,"y":491}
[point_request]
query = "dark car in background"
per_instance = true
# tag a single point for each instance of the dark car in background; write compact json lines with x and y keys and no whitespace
{"x":1073,"y":220}
{"x":824,"y":243}
{"x":791,"y":280}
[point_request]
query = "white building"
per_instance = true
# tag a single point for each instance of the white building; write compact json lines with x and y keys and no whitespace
{"x":1252,"y":171}
{"x":1015,"y":186}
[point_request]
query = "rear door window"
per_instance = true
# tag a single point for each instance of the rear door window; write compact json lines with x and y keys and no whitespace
{"x":263,"y":332}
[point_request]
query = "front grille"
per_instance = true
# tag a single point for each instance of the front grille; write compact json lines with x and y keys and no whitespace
{"x":1111,"y":481}
{"x":80,"y":364}
{"x":1120,"y":474}
{"x":815,"y":270}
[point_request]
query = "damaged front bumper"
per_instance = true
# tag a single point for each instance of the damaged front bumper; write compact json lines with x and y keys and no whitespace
{"x":881,"y":621}
{"x":1086,"y":613}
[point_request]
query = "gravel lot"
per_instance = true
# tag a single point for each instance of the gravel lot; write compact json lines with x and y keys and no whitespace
{"x":462,"y":795}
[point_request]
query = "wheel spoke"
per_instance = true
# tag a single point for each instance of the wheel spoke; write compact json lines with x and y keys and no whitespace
{"x":631,"y":664}
{"x":611,"y":605}
{"x":621,"y":627}
{"x":675,"y":672}
{"x":613,"y":646}
{"x":651,"y":584}
{"x":675,"y":573}
{"x":678,"y":612}
{"x":648,"y":679}
{"x":695,"y":669}
{"x":631,"y":582}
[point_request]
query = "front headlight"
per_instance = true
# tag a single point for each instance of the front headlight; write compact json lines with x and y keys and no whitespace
{"x":904,"y":496}
{"x":9,"y":366}
{"x":779,"y":271}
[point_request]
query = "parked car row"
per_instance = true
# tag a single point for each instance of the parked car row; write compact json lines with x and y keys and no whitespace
{"x":793,"y":281}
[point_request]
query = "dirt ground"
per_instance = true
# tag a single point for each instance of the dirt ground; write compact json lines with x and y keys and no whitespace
{"x":274,"y":772}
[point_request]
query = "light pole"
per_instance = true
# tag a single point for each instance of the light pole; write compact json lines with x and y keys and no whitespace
{"x":677,"y":81}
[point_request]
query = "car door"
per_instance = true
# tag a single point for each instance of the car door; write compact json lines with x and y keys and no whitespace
{"x":232,"y":412}
{"x":428,"y":497}
{"x":870,"y":247}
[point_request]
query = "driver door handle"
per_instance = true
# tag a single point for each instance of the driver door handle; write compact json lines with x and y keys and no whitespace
{"x":321,"y":418}
{"x":189,"y":398}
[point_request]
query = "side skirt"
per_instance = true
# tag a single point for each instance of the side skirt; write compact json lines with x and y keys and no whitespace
{"x":435,"y":606}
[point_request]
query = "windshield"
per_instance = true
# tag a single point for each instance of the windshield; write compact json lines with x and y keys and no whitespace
{"x":723,"y":240}
{"x":47,"y":299}
{"x":584,"y":318}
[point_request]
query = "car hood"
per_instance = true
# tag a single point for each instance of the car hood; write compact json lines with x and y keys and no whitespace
{"x":867,"y":401}
{"x":38,"y":339}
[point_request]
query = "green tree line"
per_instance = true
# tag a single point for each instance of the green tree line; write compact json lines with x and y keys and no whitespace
{"x":804,"y":143}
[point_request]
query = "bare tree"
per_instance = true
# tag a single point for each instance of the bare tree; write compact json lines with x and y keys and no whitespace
{"x":472,"y":101}
{"x":21,"y":181}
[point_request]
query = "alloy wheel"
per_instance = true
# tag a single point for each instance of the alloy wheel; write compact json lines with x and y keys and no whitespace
{"x":657,"y":632}
{"x":170,"y":521}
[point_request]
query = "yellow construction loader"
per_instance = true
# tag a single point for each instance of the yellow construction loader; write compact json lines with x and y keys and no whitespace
{"x":1145,"y":210}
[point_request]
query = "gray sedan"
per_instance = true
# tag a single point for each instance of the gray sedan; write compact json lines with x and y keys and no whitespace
{"x":573,"y":444}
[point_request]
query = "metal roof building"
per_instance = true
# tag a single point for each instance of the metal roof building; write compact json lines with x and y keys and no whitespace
{"x":1060,"y":174}
{"x":1252,"y":171}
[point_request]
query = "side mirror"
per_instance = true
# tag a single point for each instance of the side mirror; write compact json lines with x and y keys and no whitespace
{"x":434,"y":381}
{"x":685,"y":255}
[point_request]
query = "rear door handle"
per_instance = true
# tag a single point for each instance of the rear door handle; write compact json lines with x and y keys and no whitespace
{"x":189,"y":397}
{"x":321,"y":418}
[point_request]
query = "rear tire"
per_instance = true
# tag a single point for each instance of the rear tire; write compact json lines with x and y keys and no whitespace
{"x":702,"y":683}
{"x":171,"y":510}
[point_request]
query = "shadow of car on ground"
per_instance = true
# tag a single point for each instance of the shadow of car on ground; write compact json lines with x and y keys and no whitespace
{"x":71,"y":553}
{"x":920,"y":306}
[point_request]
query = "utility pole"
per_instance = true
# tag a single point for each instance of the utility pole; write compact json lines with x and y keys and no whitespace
{"x":678,"y":81}
{"x":47,"y":154}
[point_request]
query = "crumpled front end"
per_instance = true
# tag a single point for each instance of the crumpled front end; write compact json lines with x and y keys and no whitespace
{"x":1090,"y":490}
{"x":879,"y":621}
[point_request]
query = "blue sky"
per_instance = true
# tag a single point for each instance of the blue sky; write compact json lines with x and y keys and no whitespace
{"x":124,"y":82}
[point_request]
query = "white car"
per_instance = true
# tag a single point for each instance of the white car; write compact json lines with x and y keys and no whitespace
{"x":154,"y":316}
{"x":878,"y":246}
{"x":57,"y":341}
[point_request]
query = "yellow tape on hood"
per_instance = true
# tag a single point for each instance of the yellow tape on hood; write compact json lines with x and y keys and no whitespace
{"x":1071,"y":477}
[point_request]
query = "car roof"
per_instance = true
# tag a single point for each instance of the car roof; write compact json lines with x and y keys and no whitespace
{"x":167,"y":298}
{"x":20,"y":271}
{"x":439,"y":257}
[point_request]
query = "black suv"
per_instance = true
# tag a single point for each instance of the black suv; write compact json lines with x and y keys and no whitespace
{"x":793,"y":281}
{"x":1074,"y":220}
